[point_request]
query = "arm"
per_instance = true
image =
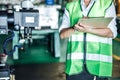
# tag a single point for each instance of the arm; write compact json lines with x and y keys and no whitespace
{"x":66,"y":32}
{"x":104,"y":32}
{"x":65,"y":29}
{"x":111,"y":31}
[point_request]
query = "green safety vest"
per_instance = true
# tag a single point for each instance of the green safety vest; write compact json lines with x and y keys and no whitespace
{"x":98,"y":49}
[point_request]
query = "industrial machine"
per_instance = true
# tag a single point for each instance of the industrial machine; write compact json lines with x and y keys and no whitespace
{"x":10,"y":21}
{"x":19,"y":24}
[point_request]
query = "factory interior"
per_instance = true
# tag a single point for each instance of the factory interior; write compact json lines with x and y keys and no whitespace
{"x":35,"y":49}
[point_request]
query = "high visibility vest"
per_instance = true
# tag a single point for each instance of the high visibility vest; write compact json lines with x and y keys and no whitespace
{"x":98,"y":51}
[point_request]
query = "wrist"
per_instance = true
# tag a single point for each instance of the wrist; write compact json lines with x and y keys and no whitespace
{"x":89,"y":30}
{"x":73,"y":28}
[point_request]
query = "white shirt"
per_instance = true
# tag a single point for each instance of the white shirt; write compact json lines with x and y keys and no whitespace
{"x":109,"y":13}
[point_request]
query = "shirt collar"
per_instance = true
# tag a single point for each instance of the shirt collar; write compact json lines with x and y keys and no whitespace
{"x":83,"y":4}
{"x":85,"y":9}
{"x":82,"y":1}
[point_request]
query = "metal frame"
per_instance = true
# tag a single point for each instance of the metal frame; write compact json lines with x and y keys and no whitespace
{"x":46,"y":31}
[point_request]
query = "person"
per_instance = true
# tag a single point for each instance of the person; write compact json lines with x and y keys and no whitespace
{"x":89,"y":50}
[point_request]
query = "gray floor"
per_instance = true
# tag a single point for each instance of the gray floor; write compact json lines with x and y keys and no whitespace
{"x":49,"y":71}
{"x":115,"y":79}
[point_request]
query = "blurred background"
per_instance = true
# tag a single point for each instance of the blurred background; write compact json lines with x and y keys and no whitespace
{"x":41,"y":55}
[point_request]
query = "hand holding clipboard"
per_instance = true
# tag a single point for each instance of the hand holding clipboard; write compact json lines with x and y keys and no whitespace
{"x":96,"y":22}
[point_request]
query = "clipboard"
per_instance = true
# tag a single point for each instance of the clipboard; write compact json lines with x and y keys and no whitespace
{"x":97,"y":22}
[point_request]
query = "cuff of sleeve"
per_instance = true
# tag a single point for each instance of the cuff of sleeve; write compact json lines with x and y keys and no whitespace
{"x":114,"y":31}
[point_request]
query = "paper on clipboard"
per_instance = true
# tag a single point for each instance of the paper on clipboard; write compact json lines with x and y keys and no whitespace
{"x":96,"y":22}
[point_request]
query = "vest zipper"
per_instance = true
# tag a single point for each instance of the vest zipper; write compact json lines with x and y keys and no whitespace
{"x":85,"y":43}
{"x":84,"y":55}
{"x":84,"y":48}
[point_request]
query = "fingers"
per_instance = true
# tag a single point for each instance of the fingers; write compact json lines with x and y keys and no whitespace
{"x":78,"y":27}
{"x":84,"y":25}
{"x":81,"y":27}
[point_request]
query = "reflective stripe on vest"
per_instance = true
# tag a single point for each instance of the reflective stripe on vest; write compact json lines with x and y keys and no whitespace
{"x":95,"y":57}
{"x":99,"y":49}
{"x":89,"y":38}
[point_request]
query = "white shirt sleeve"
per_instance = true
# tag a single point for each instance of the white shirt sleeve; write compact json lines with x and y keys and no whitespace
{"x":111,"y":13}
{"x":65,"y":21}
